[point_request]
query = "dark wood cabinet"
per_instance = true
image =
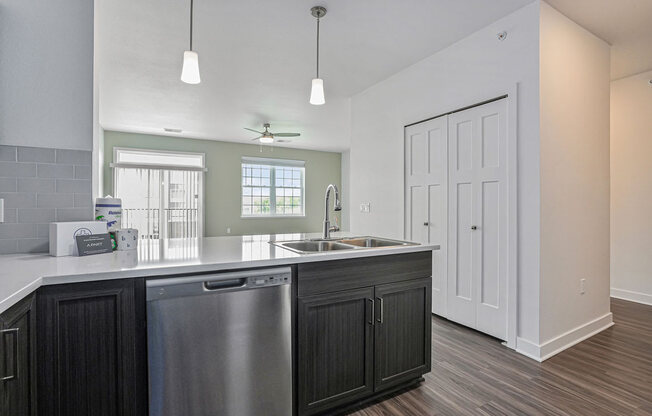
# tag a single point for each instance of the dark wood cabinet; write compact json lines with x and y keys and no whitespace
{"x":364,"y":328}
{"x":90,"y":349}
{"x":402,"y":332}
{"x":335,"y":349}
{"x":17,"y":360}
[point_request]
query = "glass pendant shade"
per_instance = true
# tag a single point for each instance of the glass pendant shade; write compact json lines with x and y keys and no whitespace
{"x":190,"y":71}
{"x":317,"y":92}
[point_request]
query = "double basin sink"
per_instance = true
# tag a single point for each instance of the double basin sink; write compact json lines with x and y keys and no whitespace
{"x":351,"y":243}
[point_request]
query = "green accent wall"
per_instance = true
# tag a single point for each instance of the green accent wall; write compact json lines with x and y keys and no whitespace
{"x":222,"y":181}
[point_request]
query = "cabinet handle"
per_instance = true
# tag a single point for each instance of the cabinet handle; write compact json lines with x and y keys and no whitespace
{"x":14,"y":333}
{"x":474,"y":227}
{"x":371,"y":304}
{"x":381,"y":313}
{"x":426,"y":223}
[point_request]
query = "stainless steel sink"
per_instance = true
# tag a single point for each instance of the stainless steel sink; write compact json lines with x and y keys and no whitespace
{"x":373,"y":242}
{"x":350,"y":243}
{"x":313,"y":246}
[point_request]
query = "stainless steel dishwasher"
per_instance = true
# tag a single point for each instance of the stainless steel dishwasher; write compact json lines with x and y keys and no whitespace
{"x":220,"y":344}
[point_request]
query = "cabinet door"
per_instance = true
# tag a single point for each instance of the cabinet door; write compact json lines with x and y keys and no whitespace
{"x":88,"y":349}
{"x":335,"y":349}
{"x":17,"y":362}
{"x":403,"y":331}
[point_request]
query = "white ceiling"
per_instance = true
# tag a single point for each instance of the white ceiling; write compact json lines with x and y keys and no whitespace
{"x":257,"y":59}
{"x":625,"y":24}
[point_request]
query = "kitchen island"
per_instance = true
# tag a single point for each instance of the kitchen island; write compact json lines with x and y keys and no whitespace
{"x":360,"y":321}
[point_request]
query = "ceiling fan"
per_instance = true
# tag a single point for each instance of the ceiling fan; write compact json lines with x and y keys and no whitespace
{"x":269,"y":137}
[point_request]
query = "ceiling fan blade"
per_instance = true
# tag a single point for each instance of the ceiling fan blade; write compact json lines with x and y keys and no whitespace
{"x":256,"y":138}
{"x":287,"y":134}
{"x":255,"y":131}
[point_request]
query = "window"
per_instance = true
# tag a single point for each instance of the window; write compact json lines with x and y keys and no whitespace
{"x":272,"y":187}
{"x":161,"y":192}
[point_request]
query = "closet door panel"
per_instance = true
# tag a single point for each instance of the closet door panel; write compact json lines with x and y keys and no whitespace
{"x":426,"y":193}
{"x":461,"y":265}
{"x":492,"y":219}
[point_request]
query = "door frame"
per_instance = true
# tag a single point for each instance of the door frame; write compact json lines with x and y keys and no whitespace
{"x":510,"y":93}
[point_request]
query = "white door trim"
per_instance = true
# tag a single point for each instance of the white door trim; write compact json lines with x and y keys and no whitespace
{"x":511,"y":91}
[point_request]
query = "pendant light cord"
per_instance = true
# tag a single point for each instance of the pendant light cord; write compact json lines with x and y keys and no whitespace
{"x":317,"y":47}
{"x":191,"y":10}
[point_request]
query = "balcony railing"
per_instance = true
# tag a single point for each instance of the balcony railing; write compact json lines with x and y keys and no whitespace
{"x":175,"y":222}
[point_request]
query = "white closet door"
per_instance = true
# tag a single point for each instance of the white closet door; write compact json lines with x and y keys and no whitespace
{"x":477,"y":255}
{"x":425,"y":197}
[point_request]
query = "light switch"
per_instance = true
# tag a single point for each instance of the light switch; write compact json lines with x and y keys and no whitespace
{"x":2,"y":210}
{"x":365,"y":207}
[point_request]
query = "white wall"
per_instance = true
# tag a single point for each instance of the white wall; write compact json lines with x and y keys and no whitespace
{"x":631,"y":188}
{"x":46,"y":73}
{"x":476,"y":68}
{"x":345,"y":194}
{"x":575,"y":76}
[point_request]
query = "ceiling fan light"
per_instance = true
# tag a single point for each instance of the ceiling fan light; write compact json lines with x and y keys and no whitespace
{"x":267,"y":139}
{"x":190,"y":71}
{"x":317,"y":92}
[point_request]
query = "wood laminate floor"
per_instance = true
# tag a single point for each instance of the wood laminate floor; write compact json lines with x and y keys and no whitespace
{"x":472,"y":374}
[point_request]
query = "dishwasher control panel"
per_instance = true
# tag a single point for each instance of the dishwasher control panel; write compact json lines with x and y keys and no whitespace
{"x":269,"y":280}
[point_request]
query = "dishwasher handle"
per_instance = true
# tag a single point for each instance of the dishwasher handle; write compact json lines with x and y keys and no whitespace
{"x":214,"y":283}
{"x":225,"y":284}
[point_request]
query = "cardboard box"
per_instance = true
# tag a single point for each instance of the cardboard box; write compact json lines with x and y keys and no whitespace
{"x":62,"y":235}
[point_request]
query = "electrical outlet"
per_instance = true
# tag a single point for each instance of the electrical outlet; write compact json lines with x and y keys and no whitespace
{"x":365,"y":207}
{"x":582,"y":286}
{"x":228,"y":230}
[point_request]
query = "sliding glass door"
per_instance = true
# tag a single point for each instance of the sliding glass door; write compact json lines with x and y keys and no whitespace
{"x":160,"y":202}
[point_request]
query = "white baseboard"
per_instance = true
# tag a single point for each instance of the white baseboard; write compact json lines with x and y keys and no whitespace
{"x":631,"y":296}
{"x":528,"y":348}
{"x":564,"y":341}
{"x":575,"y":336}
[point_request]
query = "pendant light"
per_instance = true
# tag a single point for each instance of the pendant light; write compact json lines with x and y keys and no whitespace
{"x":190,"y":71}
{"x":317,"y":90}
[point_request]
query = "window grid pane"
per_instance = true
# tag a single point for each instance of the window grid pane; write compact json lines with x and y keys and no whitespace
{"x":272,"y":190}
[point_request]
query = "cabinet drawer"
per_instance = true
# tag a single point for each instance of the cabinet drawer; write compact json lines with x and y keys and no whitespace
{"x":332,"y":276}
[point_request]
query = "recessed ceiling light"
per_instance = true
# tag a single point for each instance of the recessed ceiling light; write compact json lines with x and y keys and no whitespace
{"x":169,"y":130}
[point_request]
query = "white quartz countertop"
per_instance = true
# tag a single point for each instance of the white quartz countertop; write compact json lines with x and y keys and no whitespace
{"x":22,"y":274}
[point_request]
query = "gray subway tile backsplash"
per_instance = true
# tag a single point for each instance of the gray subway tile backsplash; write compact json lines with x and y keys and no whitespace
{"x":8,"y":246}
{"x":36,"y":215}
{"x":17,"y":170}
{"x":33,"y":245}
{"x":82,"y":172}
{"x":74,"y":157}
{"x":73,"y":186}
{"x":41,"y":185}
{"x":11,"y":215}
{"x":36,"y":154}
{"x":19,"y":199}
{"x":83,"y":200}
{"x":73,"y":214}
{"x":13,"y":231}
{"x":55,"y":171}
{"x":43,"y":230}
{"x":36,"y":185}
{"x":8,"y":153}
{"x":53,"y":201}
{"x":8,"y":185}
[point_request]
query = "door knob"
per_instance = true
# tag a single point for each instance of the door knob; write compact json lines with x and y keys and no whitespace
{"x":473,"y":227}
